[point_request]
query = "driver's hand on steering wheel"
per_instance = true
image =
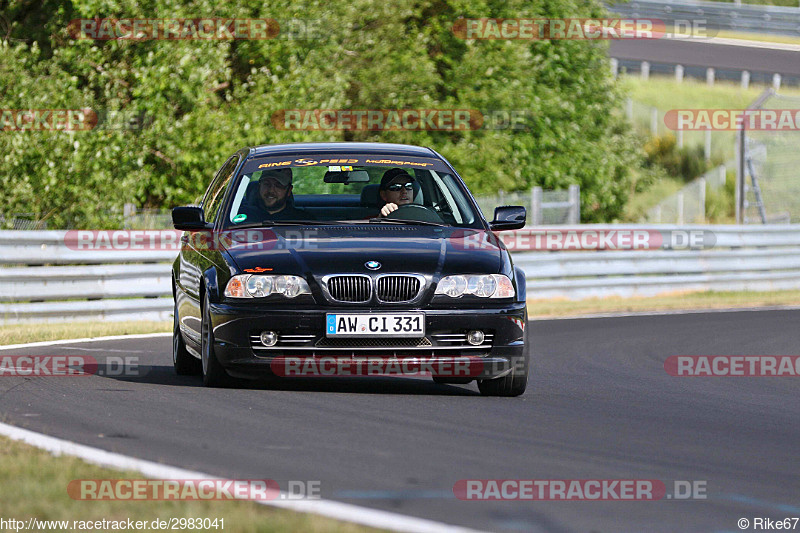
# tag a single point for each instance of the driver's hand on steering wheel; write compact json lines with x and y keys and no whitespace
{"x":388,"y":208}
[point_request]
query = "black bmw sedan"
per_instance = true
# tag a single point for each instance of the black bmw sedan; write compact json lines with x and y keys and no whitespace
{"x":329,"y":259}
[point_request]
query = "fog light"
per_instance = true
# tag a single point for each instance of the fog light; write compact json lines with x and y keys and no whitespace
{"x":269,"y":338}
{"x":474,"y":337}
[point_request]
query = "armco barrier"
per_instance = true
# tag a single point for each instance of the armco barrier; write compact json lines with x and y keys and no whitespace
{"x":755,"y":258}
{"x":783,"y":20}
{"x":42,"y":279}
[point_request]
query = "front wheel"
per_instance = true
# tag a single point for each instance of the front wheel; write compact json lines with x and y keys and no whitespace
{"x":512,"y":384}
{"x":213,"y":373}
{"x":515,"y":382}
{"x":184,"y":363}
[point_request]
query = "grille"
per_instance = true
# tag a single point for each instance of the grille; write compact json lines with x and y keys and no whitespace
{"x":397,"y":288}
{"x":440,"y":344}
{"x":327,"y":342}
{"x":350,"y":288}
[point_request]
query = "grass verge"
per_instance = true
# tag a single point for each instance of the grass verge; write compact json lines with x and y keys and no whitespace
{"x":676,"y":301}
{"x":33,"y":483}
{"x":760,"y":37}
{"x":21,"y":333}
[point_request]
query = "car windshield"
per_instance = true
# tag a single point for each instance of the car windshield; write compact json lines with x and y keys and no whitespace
{"x":349,"y":189}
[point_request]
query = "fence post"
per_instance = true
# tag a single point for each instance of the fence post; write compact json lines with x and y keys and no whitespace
{"x":707,"y":146}
{"x":614,"y":67}
{"x":680,"y":207}
{"x":574,"y":216}
{"x":679,"y":73}
{"x":654,"y":121}
{"x":679,"y":134}
{"x":645,"y":70}
{"x":710,"y":76}
{"x":536,"y":206}
{"x":740,"y":176}
{"x":128,"y":211}
{"x":702,"y":200}
{"x":776,"y":81}
{"x":745,"y":79}
{"x":723,"y":175}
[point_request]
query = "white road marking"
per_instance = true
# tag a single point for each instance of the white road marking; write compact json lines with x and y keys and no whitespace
{"x":87,"y":339}
{"x":331,"y":509}
{"x":667,"y":312}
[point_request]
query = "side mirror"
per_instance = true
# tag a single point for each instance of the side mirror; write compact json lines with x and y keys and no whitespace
{"x":188,"y":218}
{"x":508,"y":217}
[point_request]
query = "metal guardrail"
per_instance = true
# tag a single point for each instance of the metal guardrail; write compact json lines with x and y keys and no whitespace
{"x":742,"y":258}
{"x":46,"y":278}
{"x":719,"y":15}
{"x":68,"y":284}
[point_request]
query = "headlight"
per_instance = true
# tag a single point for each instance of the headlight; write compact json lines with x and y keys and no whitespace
{"x":485,"y":286}
{"x":256,"y":286}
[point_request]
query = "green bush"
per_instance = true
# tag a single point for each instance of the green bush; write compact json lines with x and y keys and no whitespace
{"x":204,"y":99}
{"x":687,"y":162}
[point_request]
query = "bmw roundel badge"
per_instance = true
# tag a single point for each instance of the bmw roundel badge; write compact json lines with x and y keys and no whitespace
{"x":372,"y":265}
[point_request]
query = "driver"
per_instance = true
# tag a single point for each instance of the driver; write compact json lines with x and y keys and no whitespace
{"x":396,"y":189}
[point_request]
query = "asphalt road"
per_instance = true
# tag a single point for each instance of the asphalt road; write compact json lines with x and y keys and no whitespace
{"x":599,"y":406}
{"x":702,"y":54}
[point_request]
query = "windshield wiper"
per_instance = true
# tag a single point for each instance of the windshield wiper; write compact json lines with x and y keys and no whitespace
{"x":403,"y":221}
{"x":267,"y":223}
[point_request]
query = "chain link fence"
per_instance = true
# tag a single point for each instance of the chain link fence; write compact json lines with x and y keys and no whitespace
{"x":551,"y":207}
{"x":21,"y":221}
{"x":134,"y":218}
{"x":688,"y":206}
{"x":769,"y":168}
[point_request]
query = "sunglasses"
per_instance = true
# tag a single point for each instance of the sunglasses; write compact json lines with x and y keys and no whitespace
{"x":394,"y":187}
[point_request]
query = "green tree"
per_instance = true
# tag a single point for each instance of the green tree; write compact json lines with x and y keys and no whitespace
{"x":204,"y":99}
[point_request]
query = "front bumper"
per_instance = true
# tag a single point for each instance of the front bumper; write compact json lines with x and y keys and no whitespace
{"x":302,"y":336}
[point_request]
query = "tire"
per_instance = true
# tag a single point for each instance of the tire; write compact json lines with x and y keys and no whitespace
{"x":213,"y":373}
{"x":515,"y":382}
{"x":185,"y":364}
{"x":512,"y":384}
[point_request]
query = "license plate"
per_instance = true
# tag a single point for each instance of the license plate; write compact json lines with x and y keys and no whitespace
{"x":375,"y":325}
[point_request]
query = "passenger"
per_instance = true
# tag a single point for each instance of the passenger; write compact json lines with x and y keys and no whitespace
{"x":274,"y":201}
{"x":396,"y":189}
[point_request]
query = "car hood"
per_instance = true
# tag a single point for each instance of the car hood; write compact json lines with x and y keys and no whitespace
{"x":321,"y":250}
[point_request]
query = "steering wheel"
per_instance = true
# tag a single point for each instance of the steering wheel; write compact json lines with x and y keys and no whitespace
{"x":421,"y":213}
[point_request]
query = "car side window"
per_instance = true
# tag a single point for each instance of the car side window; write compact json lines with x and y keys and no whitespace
{"x":216,"y":193}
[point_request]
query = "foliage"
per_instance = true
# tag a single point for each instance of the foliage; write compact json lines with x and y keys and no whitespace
{"x":202,"y":100}
{"x":687,"y":162}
